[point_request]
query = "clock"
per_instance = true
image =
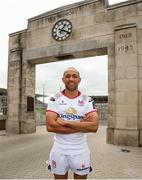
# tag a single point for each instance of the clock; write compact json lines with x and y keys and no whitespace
{"x":62,"y":30}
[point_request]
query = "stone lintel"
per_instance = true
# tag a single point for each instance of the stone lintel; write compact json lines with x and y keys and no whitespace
{"x":74,"y":50}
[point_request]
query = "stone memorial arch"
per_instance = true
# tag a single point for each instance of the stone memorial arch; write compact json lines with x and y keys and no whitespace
{"x":85,"y":29}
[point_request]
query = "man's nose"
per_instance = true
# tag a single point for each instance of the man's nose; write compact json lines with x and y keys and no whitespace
{"x":71,"y":78}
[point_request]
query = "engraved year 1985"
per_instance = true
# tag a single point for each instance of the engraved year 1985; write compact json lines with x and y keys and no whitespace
{"x":125,"y":48}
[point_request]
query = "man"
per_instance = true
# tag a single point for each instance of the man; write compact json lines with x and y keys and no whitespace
{"x":71,"y":114}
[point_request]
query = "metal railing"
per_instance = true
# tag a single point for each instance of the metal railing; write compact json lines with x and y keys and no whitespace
{"x":102,"y":110}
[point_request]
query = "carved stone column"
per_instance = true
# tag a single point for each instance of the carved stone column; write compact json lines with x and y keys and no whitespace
{"x":21,"y":87}
{"x":126,"y":86}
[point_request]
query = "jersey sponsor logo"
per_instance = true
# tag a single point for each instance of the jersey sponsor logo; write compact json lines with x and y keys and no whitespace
{"x":71,"y":114}
{"x":83,"y":165}
{"x":80,"y":102}
{"x":62,"y":103}
{"x":71,"y":110}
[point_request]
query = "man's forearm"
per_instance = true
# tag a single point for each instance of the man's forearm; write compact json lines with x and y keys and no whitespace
{"x":57,"y":128}
{"x":83,"y":126}
{"x":89,"y":124}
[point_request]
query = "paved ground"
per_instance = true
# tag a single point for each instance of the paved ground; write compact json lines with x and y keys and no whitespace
{"x":24,"y":156}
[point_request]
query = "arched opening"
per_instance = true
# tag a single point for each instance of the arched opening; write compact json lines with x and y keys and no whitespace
{"x":94,"y":83}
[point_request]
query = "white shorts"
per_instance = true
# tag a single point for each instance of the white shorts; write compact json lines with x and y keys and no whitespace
{"x":78,"y":164}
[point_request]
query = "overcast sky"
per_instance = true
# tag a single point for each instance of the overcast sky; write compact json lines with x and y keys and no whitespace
{"x":13,"y":17}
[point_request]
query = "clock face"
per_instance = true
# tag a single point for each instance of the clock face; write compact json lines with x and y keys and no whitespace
{"x":62,"y":30}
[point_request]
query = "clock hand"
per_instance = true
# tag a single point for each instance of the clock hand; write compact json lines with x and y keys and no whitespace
{"x":64,"y":30}
{"x":60,"y":29}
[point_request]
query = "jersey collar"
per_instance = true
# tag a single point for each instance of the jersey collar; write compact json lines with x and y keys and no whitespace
{"x":63,"y":93}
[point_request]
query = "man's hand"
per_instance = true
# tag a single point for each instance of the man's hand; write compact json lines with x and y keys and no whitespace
{"x":88,"y":118}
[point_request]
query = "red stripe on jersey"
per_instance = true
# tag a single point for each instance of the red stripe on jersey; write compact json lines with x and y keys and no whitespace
{"x":95,"y":110}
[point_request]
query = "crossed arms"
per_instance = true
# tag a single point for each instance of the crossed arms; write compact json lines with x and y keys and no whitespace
{"x":56,"y":124}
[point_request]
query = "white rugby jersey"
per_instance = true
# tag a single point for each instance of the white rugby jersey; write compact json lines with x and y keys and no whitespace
{"x":71,"y":109}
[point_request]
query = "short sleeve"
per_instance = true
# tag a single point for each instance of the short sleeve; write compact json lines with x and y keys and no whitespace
{"x":52,"y":105}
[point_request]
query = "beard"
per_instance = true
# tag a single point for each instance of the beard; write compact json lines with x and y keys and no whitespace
{"x":71,"y":87}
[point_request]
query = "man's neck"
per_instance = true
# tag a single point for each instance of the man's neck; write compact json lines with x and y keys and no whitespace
{"x":71,"y":94}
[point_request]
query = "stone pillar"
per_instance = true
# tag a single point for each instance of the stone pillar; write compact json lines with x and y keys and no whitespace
{"x":28,"y":121}
{"x":126,"y":130}
{"x":14,"y":83}
{"x":21,"y":79}
{"x":111,"y":95}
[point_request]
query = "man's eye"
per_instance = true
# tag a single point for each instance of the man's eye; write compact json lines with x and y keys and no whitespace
{"x":67,"y":76}
{"x":74,"y":76}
